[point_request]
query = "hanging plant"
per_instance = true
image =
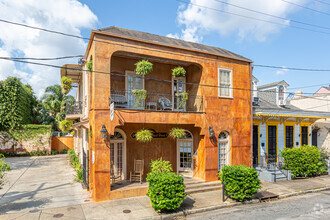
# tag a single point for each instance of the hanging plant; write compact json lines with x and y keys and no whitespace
{"x":177,"y":133}
{"x":143,"y":67}
{"x":89,"y":65}
{"x":65,"y":125}
{"x":178,"y":72}
{"x":182,"y":97}
{"x":144,"y":135}
{"x":66,"y":84}
{"x":140,"y":95}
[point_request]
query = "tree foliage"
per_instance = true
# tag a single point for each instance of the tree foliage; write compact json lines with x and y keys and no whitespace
{"x":17,"y":103}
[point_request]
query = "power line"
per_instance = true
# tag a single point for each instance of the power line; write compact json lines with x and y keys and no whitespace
{"x":270,"y":15}
{"x":122,"y":75}
{"x":324,"y":84}
{"x":326,"y":3}
{"x":253,"y":18}
{"x":291,"y":68}
{"x":54,"y":58}
{"x":302,"y":6}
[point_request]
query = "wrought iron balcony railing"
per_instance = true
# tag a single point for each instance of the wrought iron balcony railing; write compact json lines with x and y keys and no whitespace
{"x":74,"y":109}
{"x":157,"y":101}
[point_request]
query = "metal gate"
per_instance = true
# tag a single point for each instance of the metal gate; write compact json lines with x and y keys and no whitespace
{"x":85,"y":169}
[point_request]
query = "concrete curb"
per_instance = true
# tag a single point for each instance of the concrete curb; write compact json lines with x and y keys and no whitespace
{"x":229,"y":205}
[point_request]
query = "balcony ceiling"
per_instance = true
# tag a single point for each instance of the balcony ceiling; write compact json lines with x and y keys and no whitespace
{"x":72,"y":71}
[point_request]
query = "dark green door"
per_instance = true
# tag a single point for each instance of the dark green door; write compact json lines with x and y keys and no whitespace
{"x":272,"y":139}
{"x":255,"y":144}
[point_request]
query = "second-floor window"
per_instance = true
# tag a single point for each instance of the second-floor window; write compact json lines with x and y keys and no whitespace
{"x":281,"y":93}
{"x":225,"y":83}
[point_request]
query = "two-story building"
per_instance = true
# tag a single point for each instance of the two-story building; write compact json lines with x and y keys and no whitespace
{"x":217,"y":115}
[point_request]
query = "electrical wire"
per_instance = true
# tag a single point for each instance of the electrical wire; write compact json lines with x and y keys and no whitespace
{"x":291,"y":68}
{"x":322,"y":2}
{"x":302,"y":6}
{"x":270,"y":15}
{"x":54,"y":58}
{"x":122,"y":75}
{"x":253,"y":18}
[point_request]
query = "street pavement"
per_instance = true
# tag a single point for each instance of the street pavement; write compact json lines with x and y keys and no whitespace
{"x":36,"y":183}
{"x":309,"y":206}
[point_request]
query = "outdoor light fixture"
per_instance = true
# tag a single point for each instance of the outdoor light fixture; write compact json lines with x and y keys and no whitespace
{"x":104,"y":132}
{"x":211,"y":131}
{"x":260,"y":135}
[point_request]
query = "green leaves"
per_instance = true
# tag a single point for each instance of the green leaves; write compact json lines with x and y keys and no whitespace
{"x":166,"y":191}
{"x":140,"y":95}
{"x":144,"y":135}
{"x":160,"y":165}
{"x":182,"y":98}
{"x":177,"y":133}
{"x":66,"y":84}
{"x":3,"y":168}
{"x":241,"y":182}
{"x":89,"y":65}
{"x":178,"y":72}
{"x":65,"y":125}
{"x":143,"y":67}
{"x":304,"y":161}
{"x":74,"y":160}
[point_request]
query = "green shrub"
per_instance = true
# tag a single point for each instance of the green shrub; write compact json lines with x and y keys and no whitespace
{"x":143,"y":67}
{"x":74,"y":160}
{"x":39,"y":153}
{"x":3,"y":168}
{"x":79,"y":177}
{"x":178,"y":72}
{"x":166,"y":191}
{"x":241,"y":182}
{"x":144,"y":135}
{"x":304,"y":161}
{"x":54,"y":152}
{"x":65,"y":125}
{"x":160,"y":165}
{"x":64,"y":151}
{"x":89,"y":65}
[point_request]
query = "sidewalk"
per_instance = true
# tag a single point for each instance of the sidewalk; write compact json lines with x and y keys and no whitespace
{"x":140,"y":208}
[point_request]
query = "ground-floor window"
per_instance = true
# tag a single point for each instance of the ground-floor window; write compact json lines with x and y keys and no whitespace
{"x":289,"y":136}
{"x":314,"y":138}
{"x":304,"y":135}
{"x":223,"y":149}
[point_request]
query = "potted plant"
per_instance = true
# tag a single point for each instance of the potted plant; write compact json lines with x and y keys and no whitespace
{"x":89,"y":65}
{"x":178,"y":72}
{"x":182,"y":98}
{"x":66,"y":84}
{"x":143,"y":67}
{"x":144,"y":135}
{"x":177,"y":133}
{"x":140,"y":95}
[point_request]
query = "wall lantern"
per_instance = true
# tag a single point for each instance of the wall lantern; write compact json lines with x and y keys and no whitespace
{"x":211,"y":131}
{"x":104,"y":132}
{"x":260,"y":135}
{"x":297,"y":143}
{"x":310,"y":134}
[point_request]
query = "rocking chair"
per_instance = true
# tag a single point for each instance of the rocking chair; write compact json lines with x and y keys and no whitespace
{"x":137,"y":174}
{"x":115,"y":179}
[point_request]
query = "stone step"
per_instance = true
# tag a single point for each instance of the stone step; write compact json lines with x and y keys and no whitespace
{"x":203,"y":189}
{"x":204,"y":184}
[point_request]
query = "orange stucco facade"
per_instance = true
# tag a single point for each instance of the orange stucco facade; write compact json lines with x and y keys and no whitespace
{"x":232,"y":115}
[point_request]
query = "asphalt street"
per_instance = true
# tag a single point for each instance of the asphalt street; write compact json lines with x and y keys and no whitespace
{"x":309,"y":206}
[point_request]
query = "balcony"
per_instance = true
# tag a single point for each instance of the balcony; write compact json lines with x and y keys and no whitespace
{"x":74,"y":111}
{"x":165,"y":102}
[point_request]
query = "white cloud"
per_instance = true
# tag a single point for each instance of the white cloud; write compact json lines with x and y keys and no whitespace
{"x":198,"y":21}
{"x":282,"y":71}
{"x":68,"y":16}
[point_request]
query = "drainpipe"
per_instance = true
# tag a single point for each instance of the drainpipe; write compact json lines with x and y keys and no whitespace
{"x":251,"y":106}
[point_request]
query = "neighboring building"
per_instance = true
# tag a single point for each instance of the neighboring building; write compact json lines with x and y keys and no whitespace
{"x":218,"y":121}
{"x":277,"y":124}
{"x":320,"y":101}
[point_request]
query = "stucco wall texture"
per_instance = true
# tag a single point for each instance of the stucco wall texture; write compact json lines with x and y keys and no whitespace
{"x":223,"y":114}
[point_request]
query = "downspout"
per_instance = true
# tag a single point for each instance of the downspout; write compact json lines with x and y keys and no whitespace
{"x":251,"y":107}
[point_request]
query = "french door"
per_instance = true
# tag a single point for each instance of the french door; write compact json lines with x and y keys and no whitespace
{"x":117,"y":159}
{"x":178,"y":86}
{"x":304,"y":135}
{"x":272,"y":139}
{"x":185,"y":156}
{"x":133,"y":81}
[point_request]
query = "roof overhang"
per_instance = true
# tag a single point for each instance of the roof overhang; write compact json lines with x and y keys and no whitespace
{"x":72,"y":71}
{"x":292,"y":115}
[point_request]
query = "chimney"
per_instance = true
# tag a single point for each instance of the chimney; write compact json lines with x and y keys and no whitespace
{"x":298,"y":94}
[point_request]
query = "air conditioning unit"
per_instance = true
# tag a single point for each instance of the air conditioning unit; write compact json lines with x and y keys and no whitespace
{"x":282,"y":102}
{"x":255,"y":101}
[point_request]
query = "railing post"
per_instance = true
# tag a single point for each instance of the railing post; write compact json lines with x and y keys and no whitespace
{"x":223,"y":191}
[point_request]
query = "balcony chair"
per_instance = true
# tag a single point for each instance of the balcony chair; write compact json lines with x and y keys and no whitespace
{"x":165,"y":104}
{"x":115,"y":179}
{"x":137,"y":174}
{"x":119,"y":100}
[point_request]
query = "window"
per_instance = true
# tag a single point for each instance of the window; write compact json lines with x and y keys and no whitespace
{"x":225,"y":81}
{"x":289,"y":136}
{"x":223,"y":150}
{"x":281,"y":93}
{"x":304,"y":135}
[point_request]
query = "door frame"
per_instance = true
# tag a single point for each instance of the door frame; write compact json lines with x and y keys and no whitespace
{"x":131,"y":73}
{"x":267,"y":140}
{"x":183,"y":78}
{"x":124,"y":150}
{"x":178,"y":152}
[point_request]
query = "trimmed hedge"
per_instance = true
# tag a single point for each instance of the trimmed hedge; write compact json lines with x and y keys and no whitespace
{"x":160,"y":165}
{"x":30,"y":131}
{"x":304,"y":161}
{"x":166,"y":191}
{"x":241,"y":182}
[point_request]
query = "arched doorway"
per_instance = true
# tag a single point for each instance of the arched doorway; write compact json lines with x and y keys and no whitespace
{"x":223,"y":149}
{"x":118,"y":153}
{"x":185,"y":155}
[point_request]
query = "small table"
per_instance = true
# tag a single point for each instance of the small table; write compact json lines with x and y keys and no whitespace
{"x":152,"y":105}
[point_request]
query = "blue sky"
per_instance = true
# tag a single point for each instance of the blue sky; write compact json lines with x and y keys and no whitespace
{"x":262,"y":42}
{"x":289,"y":47}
